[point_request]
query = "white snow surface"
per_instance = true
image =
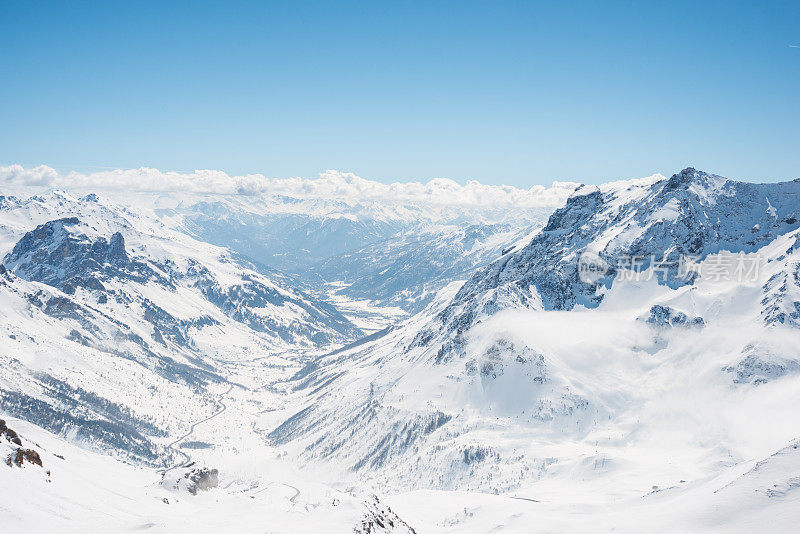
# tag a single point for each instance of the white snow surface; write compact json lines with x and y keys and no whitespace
{"x":649,"y":407}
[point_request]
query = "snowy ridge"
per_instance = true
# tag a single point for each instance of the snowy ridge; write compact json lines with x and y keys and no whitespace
{"x":528,"y":397}
{"x":113,"y":316}
{"x":692,"y":214}
{"x":470,"y":394}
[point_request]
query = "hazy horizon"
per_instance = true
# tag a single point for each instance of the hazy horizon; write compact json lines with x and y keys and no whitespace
{"x":503,"y":93}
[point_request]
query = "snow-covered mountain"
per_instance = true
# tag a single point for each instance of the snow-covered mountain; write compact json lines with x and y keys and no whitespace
{"x":627,"y":364}
{"x":110,"y":315}
{"x":380,"y":251}
{"x":692,"y":215}
{"x":409,"y":268}
{"x":530,"y":372}
{"x":387,"y":254}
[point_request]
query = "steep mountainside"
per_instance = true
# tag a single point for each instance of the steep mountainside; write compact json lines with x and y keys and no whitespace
{"x":634,"y":225}
{"x":631,"y":365}
{"x":111,"y":316}
{"x":87,"y":248}
{"x":472,"y":394}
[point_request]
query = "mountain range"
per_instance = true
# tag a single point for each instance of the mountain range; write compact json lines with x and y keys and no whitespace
{"x":625,"y":353}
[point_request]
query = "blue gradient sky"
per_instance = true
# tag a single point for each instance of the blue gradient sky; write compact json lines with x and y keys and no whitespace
{"x":503,"y":92}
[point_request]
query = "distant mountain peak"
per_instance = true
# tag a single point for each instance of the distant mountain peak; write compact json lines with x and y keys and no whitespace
{"x":689,"y":176}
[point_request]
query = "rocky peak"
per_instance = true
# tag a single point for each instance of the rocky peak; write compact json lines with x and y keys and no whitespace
{"x":116,"y":250}
{"x":60,"y":253}
{"x":692,"y":214}
{"x":580,"y":206}
{"x":683,"y":178}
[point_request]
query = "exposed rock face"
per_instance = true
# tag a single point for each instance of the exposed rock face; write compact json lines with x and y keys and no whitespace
{"x":505,"y":356}
{"x":761,"y":365}
{"x":782,"y":293}
{"x":193,"y":481}
{"x":20,"y":456}
{"x":24,"y":455}
{"x":9,"y":434}
{"x":666,"y":317}
{"x":58,"y":254}
{"x":380,"y":519}
{"x":202,"y":479}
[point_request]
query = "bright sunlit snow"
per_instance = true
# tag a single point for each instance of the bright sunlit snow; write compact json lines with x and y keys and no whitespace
{"x":190,"y":361}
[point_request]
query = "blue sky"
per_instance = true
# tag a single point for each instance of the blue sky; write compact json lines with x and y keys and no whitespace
{"x":519,"y":93}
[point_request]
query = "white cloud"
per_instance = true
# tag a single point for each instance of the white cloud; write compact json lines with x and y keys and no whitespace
{"x":330,"y":184}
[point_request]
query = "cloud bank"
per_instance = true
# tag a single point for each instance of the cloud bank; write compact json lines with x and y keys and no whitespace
{"x":330,"y":184}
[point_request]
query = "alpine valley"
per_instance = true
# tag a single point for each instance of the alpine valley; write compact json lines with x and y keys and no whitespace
{"x":203,"y":353}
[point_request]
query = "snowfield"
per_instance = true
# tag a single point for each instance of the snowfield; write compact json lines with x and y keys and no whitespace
{"x":292,"y":363}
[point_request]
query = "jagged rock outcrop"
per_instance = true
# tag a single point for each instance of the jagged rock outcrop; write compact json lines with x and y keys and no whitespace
{"x":761,"y":364}
{"x":8,"y":434}
{"x":667,"y":317}
{"x":18,"y":456}
{"x":63,"y":254}
{"x":192,"y":481}
{"x":58,"y":254}
{"x":381,"y":519}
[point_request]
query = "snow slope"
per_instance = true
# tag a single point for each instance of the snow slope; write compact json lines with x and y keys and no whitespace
{"x":75,"y":491}
{"x":117,"y":329}
{"x":651,"y":395}
{"x":528,"y":377}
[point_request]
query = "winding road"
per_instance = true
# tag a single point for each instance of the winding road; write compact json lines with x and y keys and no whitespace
{"x":188,"y":459}
{"x":292,"y":499}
